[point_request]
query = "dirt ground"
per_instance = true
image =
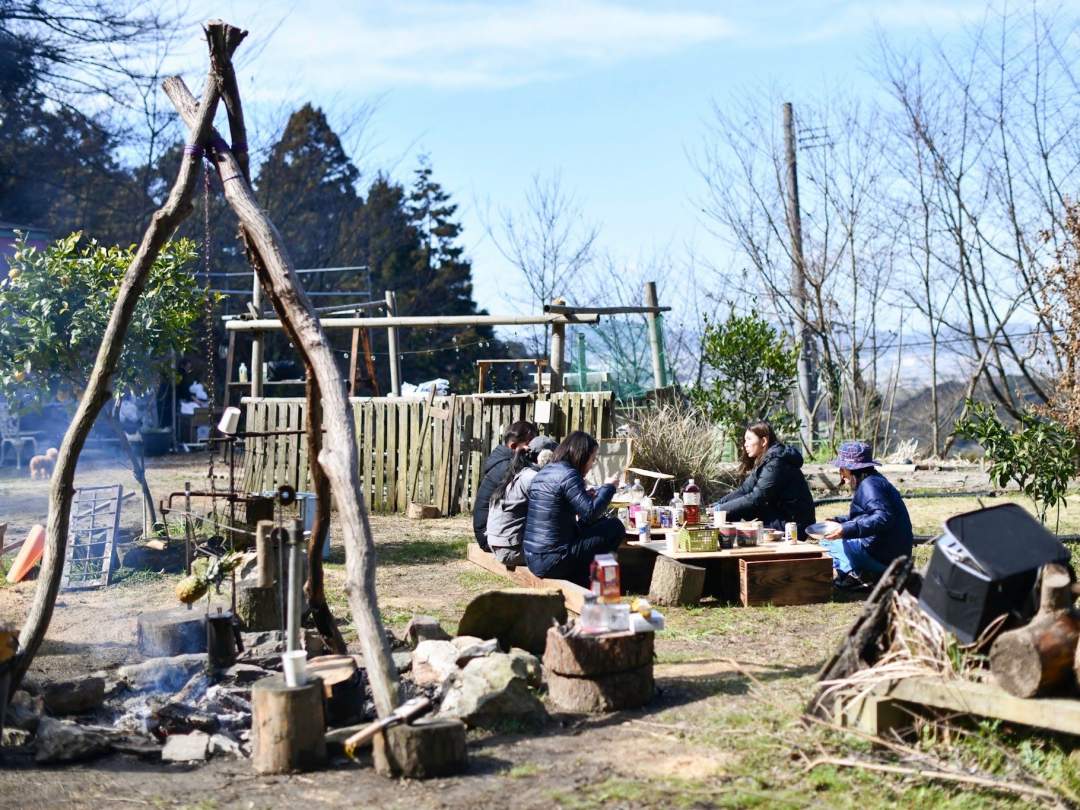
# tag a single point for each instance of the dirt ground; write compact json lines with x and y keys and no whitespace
{"x":724,"y":731}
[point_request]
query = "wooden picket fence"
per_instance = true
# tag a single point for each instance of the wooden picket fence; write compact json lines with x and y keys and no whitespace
{"x":388,"y":432}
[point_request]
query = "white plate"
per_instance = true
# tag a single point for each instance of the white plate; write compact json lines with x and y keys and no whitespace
{"x":816,"y":530}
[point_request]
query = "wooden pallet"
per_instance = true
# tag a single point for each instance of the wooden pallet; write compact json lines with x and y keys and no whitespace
{"x":573,"y":593}
{"x":892,"y":705}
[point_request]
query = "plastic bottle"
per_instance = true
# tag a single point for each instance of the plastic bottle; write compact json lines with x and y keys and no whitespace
{"x":637,"y":493}
{"x":677,"y":512}
{"x":243,"y":374}
{"x":691,"y":496}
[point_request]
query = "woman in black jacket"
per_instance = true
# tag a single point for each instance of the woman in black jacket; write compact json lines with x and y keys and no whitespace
{"x":774,"y":490}
{"x":565,"y":527}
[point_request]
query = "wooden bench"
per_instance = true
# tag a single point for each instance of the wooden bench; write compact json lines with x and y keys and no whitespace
{"x":573,"y":594}
{"x":771,"y":573}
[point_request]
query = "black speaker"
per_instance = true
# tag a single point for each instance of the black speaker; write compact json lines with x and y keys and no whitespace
{"x":986,"y":564}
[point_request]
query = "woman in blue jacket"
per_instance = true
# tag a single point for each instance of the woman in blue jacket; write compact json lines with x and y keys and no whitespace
{"x":565,"y":527}
{"x":876,"y":531}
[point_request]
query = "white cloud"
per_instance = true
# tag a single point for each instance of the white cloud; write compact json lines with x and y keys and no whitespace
{"x":438,"y":43}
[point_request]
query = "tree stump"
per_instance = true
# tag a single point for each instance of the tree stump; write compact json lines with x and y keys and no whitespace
{"x":288,"y":727}
{"x":165,"y":633}
{"x":599,"y":673}
{"x":428,"y":748}
{"x":676,"y":583}
{"x":343,"y":687}
{"x":1040,"y":657}
{"x":257,"y":608}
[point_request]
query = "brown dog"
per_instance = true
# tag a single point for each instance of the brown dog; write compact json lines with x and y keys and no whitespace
{"x":41,"y":467}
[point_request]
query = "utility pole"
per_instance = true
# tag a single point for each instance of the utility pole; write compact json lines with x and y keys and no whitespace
{"x":798,"y":286}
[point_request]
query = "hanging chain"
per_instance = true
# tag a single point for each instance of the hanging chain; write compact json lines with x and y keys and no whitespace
{"x":211,"y":347}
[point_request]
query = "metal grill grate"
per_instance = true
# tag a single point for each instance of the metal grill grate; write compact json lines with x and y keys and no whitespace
{"x":91,"y":549}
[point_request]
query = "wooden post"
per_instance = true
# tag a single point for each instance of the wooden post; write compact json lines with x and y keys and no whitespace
{"x":288,"y":726}
{"x":338,"y":456}
{"x":655,"y":338}
{"x":353,"y":359}
{"x":798,"y":285}
{"x":392,"y":346}
{"x":558,"y":346}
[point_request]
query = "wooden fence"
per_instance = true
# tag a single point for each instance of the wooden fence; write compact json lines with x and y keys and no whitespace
{"x":390,"y":452}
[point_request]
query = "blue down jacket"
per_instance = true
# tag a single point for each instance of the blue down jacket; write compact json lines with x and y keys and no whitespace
{"x":560,"y":509}
{"x":878,"y":520}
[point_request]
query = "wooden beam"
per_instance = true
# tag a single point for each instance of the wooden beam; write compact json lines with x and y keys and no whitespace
{"x":417,"y":321}
{"x":573,"y":593}
{"x":565,"y":309}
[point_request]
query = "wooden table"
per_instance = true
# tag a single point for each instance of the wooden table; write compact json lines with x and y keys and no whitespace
{"x":770,"y":573}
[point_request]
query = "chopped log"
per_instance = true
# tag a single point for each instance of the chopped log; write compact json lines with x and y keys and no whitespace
{"x":1039,"y":657}
{"x":287,"y":725}
{"x":584,"y":655}
{"x":343,"y":686}
{"x":676,"y":583}
{"x":165,"y":633}
{"x":258,"y":608}
{"x":602,"y":693}
{"x":338,"y":456}
{"x":428,"y":748}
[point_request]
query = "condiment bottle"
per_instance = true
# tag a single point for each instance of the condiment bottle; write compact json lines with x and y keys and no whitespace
{"x":691,"y":496}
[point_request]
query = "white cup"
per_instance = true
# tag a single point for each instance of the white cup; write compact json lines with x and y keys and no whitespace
{"x":294,"y":664}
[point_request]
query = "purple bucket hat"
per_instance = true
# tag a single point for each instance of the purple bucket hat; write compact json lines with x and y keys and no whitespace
{"x":855,"y":456}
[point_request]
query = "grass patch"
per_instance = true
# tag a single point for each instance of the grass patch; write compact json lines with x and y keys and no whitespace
{"x":524,"y":771}
{"x":480,"y":580}
{"x":139,"y":576}
{"x":421,"y":552}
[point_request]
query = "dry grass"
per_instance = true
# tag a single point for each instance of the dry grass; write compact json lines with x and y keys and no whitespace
{"x":676,"y":440}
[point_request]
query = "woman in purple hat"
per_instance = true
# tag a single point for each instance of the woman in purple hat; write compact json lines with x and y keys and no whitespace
{"x":876,"y":531}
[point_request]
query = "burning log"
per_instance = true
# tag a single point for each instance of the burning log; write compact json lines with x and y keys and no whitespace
{"x":1039,"y":657}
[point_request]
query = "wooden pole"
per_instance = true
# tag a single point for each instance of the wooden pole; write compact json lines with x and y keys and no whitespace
{"x":421,"y":321}
{"x":392,"y":345}
{"x":798,"y":285}
{"x":338,"y":456}
{"x":558,"y":350}
{"x":352,"y":361}
{"x":658,"y":371}
{"x":162,"y":226}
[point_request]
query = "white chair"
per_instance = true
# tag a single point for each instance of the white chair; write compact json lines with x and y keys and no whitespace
{"x":12,"y":435}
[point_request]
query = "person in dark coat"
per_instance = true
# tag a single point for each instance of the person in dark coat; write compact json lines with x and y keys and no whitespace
{"x":876,"y":530}
{"x":493,"y":471}
{"x":774,"y":490}
{"x":565,"y":527}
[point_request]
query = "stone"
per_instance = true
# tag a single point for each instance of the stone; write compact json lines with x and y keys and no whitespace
{"x":76,"y":696}
{"x":428,"y":748}
{"x":245,"y":674}
{"x":314,"y":644}
{"x":465,"y":642}
{"x":433,"y":662}
{"x":489,"y":689}
{"x":193,"y":747}
{"x":162,"y":674}
{"x":424,"y":628}
{"x":517,"y":617}
{"x":262,"y":649}
{"x":64,"y":741}
{"x":525,"y":661}
{"x":477,"y":650}
{"x":24,"y":712}
{"x":223,"y":745}
{"x":15,"y":737}
{"x":402,"y":660}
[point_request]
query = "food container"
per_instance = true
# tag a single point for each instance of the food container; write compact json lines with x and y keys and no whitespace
{"x":697,"y":539}
{"x":726,"y":532}
{"x":719,"y":517}
{"x":665,"y":517}
{"x":605,"y":577}
{"x":654,"y":517}
{"x":747,"y":534}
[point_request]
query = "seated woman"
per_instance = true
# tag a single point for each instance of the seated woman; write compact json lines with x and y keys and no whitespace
{"x":774,"y":490}
{"x":509,"y":505}
{"x":565,"y":527}
{"x":876,"y":531}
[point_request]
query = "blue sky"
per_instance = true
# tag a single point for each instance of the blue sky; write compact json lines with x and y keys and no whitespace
{"x":612,"y":95}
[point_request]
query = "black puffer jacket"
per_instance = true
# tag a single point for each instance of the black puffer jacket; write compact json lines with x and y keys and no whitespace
{"x":560,"y":509}
{"x":775,"y":492}
{"x":494,"y":470}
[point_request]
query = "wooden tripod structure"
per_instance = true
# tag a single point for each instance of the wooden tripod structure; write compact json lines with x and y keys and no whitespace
{"x":333,"y":464}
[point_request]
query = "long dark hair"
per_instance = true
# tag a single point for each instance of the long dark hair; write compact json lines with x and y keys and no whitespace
{"x":763,"y":430}
{"x":576,"y":450}
{"x":521,"y":459}
{"x":520,"y":432}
